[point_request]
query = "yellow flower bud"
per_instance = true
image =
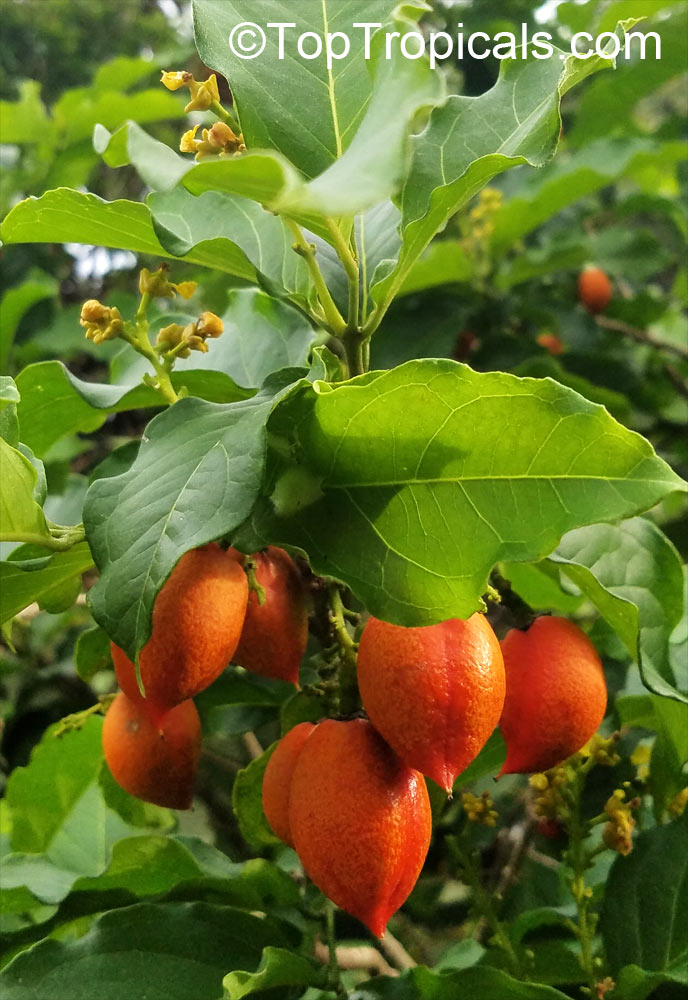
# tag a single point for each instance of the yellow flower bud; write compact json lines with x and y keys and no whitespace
{"x":189,"y":142}
{"x":101,"y":322}
{"x":203,"y":94}
{"x":678,"y":803}
{"x":156,"y":283}
{"x":176,"y":79}
{"x":209,"y":325}
{"x":92,"y":311}
{"x":186,"y":288}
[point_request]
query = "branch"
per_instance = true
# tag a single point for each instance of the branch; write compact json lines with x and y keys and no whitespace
{"x":641,"y":336}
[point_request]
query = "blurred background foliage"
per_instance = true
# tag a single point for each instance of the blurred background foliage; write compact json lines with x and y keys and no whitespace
{"x":496,"y":290}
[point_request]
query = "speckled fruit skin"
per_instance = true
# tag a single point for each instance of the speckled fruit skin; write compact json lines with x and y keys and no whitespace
{"x":360,"y":820}
{"x":277,"y":780}
{"x":197,"y":620}
{"x":274,"y":637}
{"x":435,"y":693}
{"x":155,"y":764}
{"x":556,"y":694}
{"x":594,"y":289}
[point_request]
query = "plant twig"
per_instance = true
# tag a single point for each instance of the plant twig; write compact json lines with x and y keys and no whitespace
{"x":396,"y":952}
{"x":641,"y":336}
{"x":335,"y":320}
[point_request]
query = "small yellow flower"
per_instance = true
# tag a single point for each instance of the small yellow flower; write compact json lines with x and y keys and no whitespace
{"x":190,"y":143}
{"x":203,"y":94}
{"x":170,"y":336}
{"x":101,"y":322}
{"x":679,"y":802}
{"x":479,"y":808}
{"x":220,"y":140}
{"x":641,"y":758}
{"x":176,"y":79}
{"x":186,"y":288}
{"x":618,"y":832}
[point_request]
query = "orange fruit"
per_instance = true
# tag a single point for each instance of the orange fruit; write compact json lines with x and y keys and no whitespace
{"x":197,"y":621}
{"x":359,"y":818}
{"x":275,"y":633}
{"x":556,"y":694}
{"x":551,"y":343}
{"x":594,"y":289}
{"x":277,"y":780}
{"x":155,"y":764}
{"x":435,"y":693}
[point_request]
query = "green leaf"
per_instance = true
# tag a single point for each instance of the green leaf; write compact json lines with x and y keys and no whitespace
{"x":471,"y":139}
{"x":194,"y":480}
{"x":25,"y":120}
{"x":77,"y":111}
{"x":634,"y":983}
{"x":644,"y":919}
{"x":444,"y":262}
{"x":16,"y":302}
{"x":21,"y":518}
{"x":159,"y":166}
{"x":23,"y":583}
{"x":247,"y":802}
{"x":92,"y":653}
{"x":538,"y":584}
{"x":55,"y":403}
{"x":173,"y":951}
{"x":9,"y":397}
{"x":66,"y":216}
{"x":487,"y":764}
{"x":242,"y":229}
{"x":478,"y":983}
{"x":633,"y":574}
{"x":278,"y":968}
{"x":239,"y":702}
{"x":376,"y":162}
{"x":488,"y":467}
{"x":272,"y":95}
{"x":565,"y":181}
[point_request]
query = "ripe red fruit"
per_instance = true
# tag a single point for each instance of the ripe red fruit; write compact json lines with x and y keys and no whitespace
{"x":551,"y":343}
{"x":274,"y":636}
{"x":197,"y":621}
{"x":594,"y":289}
{"x":155,"y":764}
{"x":556,"y":694}
{"x":434,"y":693}
{"x":277,"y":780}
{"x":359,"y":818}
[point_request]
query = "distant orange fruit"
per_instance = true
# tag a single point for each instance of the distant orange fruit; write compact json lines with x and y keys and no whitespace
{"x":594,"y":289}
{"x":434,"y":693}
{"x":360,"y":820}
{"x":551,"y":343}
{"x":155,"y":764}
{"x":275,"y":634}
{"x":277,"y":780}
{"x":197,"y":620}
{"x":556,"y":694}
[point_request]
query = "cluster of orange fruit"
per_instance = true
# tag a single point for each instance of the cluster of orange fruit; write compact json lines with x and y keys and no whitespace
{"x":204,"y":618}
{"x":349,"y":796}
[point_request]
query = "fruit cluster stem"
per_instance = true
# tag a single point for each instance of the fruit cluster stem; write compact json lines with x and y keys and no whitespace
{"x":578,"y":860}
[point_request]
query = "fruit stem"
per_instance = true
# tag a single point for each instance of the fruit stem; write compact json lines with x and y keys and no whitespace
{"x":71,"y":723}
{"x":333,"y":978}
{"x":483,"y":902}
{"x":349,"y":701}
{"x":521,"y":612}
{"x":578,"y":860}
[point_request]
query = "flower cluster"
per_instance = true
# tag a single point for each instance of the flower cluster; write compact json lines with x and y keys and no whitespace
{"x":101,"y":322}
{"x":157,"y":285}
{"x":618,"y":831}
{"x":204,"y":93}
{"x":551,"y":802}
{"x":219,"y":140}
{"x":479,"y":808}
{"x":192,"y":337}
{"x":601,"y":750}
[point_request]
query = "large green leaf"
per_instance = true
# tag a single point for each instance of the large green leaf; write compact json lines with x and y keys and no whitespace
{"x":183,"y":221}
{"x":174,"y":951}
{"x":16,"y":302}
{"x":300,"y":107}
{"x":412,"y":483}
{"x":247,"y":802}
{"x":194,"y":479}
{"x":278,"y":968}
{"x":375,"y":165}
{"x":471,"y":139}
{"x":43,"y":581}
{"x":633,"y":574}
{"x":62,"y":828}
{"x":478,"y":983}
{"x":54,"y":402}
{"x":21,"y":518}
{"x":565,"y":181}
{"x":645,"y":914}
{"x":66,"y":216}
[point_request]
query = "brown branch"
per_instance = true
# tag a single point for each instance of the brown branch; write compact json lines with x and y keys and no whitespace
{"x":641,"y":336}
{"x":356,"y":957}
{"x":396,"y":952}
{"x":677,"y":380}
